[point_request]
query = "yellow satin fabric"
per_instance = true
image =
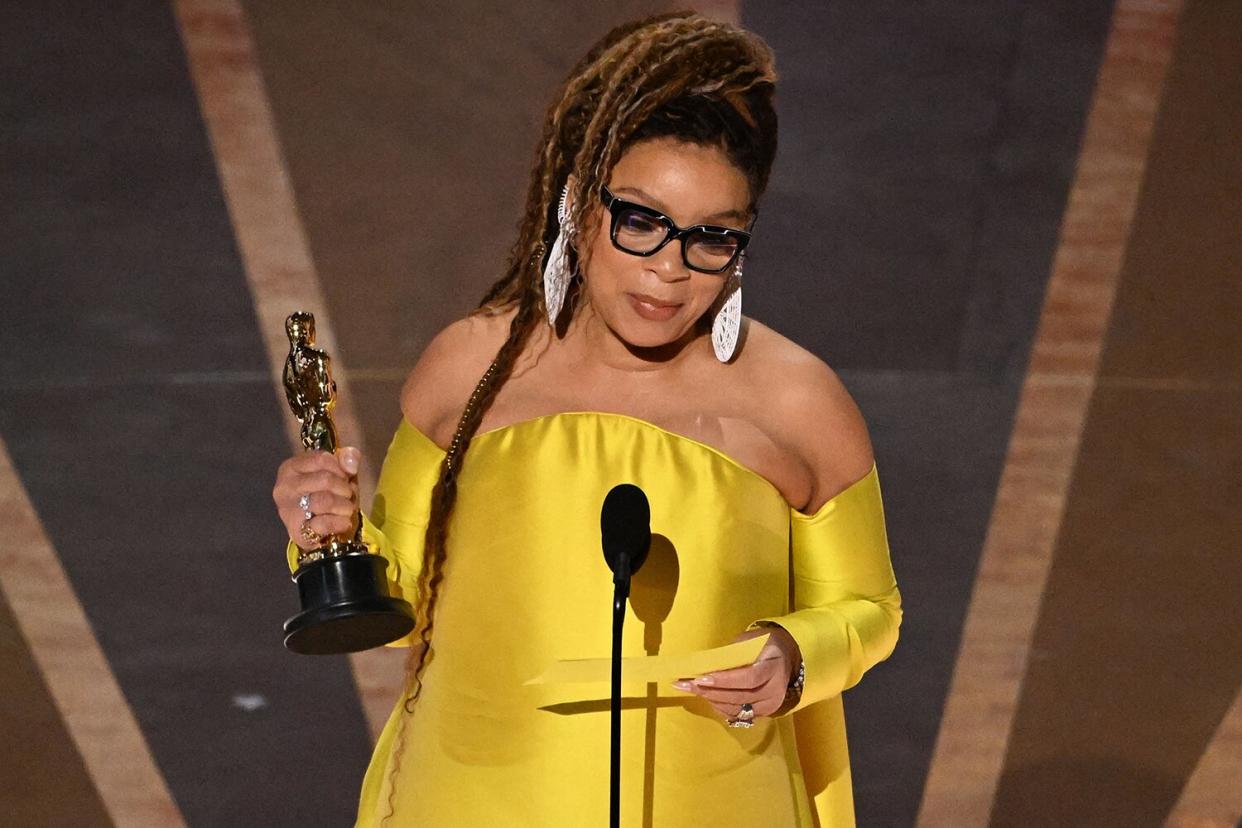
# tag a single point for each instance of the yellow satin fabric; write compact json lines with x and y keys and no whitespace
{"x":526,"y":583}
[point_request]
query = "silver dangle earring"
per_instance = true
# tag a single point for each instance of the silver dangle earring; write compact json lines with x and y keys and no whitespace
{"x":727,"y":323}
{"x":556,"y":275}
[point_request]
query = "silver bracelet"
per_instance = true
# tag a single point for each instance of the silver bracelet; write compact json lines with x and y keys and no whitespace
{"x":794,"y":691}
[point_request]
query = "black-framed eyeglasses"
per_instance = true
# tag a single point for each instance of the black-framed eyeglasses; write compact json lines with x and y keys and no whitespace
{"x":642,"y":231}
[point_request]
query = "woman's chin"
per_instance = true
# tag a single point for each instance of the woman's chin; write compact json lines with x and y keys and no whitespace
{"x":640,"y":334}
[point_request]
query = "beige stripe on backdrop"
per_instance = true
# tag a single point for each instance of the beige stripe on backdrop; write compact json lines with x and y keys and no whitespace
{"x":996,"y":639}
{"x":273,"y":248}
{"x":1212,"y":797}
{"x":78,"y":676}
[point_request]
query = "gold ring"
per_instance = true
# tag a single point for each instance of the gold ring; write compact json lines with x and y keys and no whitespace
{"x":310,"y":534}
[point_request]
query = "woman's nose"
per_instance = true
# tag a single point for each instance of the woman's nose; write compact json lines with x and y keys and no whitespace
{"x":668,"y":264}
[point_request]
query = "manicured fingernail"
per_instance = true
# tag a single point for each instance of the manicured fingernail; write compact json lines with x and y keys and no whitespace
{"x":704,"y":680}
{"x":682,"y":685}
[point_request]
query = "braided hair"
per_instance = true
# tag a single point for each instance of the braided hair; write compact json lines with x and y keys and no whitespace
{"x":678,"y":75}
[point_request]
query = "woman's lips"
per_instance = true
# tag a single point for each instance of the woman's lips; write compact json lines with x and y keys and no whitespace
{"x":651,"y":308}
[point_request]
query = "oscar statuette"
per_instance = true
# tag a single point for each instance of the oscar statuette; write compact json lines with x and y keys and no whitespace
{"x":346,"y":606}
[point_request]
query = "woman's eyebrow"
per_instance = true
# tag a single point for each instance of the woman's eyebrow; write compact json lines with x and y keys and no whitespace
{"x":656,"y":204}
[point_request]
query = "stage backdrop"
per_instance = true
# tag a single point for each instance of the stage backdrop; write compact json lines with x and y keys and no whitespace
{"x":1011,"y":227}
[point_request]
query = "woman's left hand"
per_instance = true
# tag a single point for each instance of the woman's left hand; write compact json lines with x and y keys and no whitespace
{"x":762,"y":685}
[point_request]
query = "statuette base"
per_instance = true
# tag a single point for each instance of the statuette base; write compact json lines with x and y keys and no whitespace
{"x":346,"y":607}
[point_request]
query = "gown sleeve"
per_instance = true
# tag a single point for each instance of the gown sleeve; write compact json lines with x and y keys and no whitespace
{"x":846,"y":606}
{"x":397,"y":523}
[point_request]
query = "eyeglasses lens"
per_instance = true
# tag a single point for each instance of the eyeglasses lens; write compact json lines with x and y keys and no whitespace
{"x":710,"y":251}
{"x":638,"y":232}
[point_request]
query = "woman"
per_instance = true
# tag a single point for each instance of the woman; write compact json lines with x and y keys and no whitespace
{"x":611,"y":351}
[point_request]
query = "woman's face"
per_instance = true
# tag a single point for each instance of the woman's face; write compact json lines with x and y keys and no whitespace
{"x":655,"y":300}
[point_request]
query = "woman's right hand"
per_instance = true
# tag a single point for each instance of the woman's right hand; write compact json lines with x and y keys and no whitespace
{"x":330,"y":484}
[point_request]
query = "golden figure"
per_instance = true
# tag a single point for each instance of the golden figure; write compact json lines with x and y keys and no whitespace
{"x":311,"y":392}
{"x":309,"y":386}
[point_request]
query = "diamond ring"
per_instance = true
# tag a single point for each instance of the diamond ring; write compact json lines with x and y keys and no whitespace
{"x":304,"y":505}
{"x":745,"y":717}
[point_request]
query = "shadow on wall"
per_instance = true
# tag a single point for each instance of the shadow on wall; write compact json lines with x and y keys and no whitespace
{"x":1091,"y":791}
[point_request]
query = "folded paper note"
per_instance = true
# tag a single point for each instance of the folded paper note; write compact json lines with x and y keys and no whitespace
{"x":654,"y":668}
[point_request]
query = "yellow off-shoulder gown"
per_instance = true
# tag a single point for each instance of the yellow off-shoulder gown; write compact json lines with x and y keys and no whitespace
{"x":526,"y":584}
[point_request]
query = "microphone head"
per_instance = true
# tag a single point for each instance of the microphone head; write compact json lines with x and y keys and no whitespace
{"x":625,"y":528}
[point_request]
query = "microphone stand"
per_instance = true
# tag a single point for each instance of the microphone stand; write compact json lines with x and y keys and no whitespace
{"x":620,"y":594}
{"x":625,"y":533}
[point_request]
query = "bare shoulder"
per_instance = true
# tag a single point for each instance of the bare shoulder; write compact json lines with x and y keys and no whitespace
{"x":808,"y":407}
{"x":442,"y":380}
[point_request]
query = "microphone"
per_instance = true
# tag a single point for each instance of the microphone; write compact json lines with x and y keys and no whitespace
{"x":625,"y":529}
